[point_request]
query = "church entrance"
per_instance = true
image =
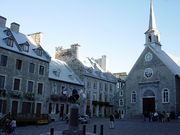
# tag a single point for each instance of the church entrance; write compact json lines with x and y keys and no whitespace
{"x":148,"y":105}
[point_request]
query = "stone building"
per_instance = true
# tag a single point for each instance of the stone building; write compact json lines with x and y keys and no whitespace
{"x":120,"y":95}
{"x":24,"y":68}
{"x":99,"y":85}
{"x":62,"y":80}
{"x":153,"y":83}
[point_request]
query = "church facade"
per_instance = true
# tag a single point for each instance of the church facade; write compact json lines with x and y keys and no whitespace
{"x":153,"y":84}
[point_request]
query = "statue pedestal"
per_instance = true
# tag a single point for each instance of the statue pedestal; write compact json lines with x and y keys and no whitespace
{"x":74,"y":122}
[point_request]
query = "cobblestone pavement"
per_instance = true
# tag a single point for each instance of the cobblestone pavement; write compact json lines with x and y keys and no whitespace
{"x":122,"y":127}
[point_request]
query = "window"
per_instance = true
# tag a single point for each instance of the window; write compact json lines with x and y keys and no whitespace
{"x":100,"y":85}
{"x":150,"y":39}
{"x":121,"y":102}
{"x":3,"y":60}
{"x":39,"y":52}
{"x":121,"y":93}
{"x":26,"y":47}
{"x":133,"y":97}
{"x":18,"y":64}
{"x":88,"y":83}
{"x":165,"y":96}
{"x":30,"y":86}
{"x":9,"y":42}
{"x":110,"y":87}
{"x":31,"y":67}
{"x":106,"y":87}
{"x":2,"y":81}
{"x":95,"y":85}
{"x":41,"y":70}
{"x":40,"y":88}
{"x":16,"y":84}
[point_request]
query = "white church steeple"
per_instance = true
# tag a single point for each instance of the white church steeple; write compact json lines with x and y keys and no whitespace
{"x":152,"y":34}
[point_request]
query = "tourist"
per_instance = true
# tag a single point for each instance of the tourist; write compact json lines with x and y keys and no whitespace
{"x":111,"y":121}
{"x":13,"y":126}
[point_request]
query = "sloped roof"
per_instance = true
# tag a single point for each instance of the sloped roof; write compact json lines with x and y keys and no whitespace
{"x":20,"y":39}
{"x":172,"y":62}
{"x":93,"y":69}
{"x":59,"y":70}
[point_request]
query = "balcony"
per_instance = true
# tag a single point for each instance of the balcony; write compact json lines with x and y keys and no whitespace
{"x":54,"y":97}
{"x":29,"y":95}
{"x":15,"y":93}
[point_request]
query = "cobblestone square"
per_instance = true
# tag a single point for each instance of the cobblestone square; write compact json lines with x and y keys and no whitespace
{"x":122,"y":127}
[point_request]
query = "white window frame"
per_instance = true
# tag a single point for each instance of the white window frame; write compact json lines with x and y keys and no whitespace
{"x":39,"y":70}
{"x":121,"y":93}
{"x":42,"y":89}
{"x":133,"y":93}
{"x":19,"y":83}
{"x":167,"y":91}
{"x":4,"y":80}
{"x":34,"y":67}
{"x":28,"y":86}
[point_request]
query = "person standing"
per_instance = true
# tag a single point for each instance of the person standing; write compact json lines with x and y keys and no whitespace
{"x":111,"y":121}
{"x":13,"y":126}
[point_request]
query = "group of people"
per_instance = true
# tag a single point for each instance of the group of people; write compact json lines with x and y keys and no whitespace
{"x":9,"y":126}
{"x":157,"y":116}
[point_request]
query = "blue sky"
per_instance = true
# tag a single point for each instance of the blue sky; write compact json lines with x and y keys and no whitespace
{"x":102,"y":27}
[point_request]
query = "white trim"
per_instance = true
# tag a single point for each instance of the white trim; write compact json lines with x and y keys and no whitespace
{"x":162,"y":95}
{"x":29,"y":67}
{"x":133,"y":92}
{"x":4,"y":79}
{"x":7,"y":60}
{"x":28,"y":83}
{"x":21,"y":64}
{"x":121,"y":93}
{"x":42,"y":88}
{"x":19,"y":83}
{"x":39,"y":69}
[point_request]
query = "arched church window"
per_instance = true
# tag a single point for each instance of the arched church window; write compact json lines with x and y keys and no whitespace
{"x":165,"y":96}
{"x":133,"y":97}
{"x":150,"y":38}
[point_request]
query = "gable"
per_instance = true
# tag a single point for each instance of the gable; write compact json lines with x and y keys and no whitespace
{"x":149,"y":66}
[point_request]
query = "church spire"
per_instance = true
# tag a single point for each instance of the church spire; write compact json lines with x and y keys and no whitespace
{"x":152,"y":21}
{"x":152,"y":34}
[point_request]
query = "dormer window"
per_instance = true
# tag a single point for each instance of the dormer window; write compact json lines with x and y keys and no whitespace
{"x":7,"y":32}
{"x":26,"y":48}
{"x":56,"y":73}
{"x":39,"y":52}
{"x":9,"y":41}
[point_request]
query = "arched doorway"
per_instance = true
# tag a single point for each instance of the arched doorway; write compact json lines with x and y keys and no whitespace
{"x":148,"y":101}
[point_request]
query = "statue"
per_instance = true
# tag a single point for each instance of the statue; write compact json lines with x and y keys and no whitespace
{"x":74,"y":114}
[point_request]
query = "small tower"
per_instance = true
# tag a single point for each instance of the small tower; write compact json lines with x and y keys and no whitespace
{"x":152,"y":34}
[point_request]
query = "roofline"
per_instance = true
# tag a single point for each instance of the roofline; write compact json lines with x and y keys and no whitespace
{"x":24,"y":54}
{"x":99,"y":78}
{"x":65,"y":81}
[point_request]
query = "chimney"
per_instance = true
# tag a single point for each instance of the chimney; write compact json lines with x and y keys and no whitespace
{"x":37,"y":37}
{"x":15,"y":27}
{"x":75,"y":50}
{"x":2,"y":22}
